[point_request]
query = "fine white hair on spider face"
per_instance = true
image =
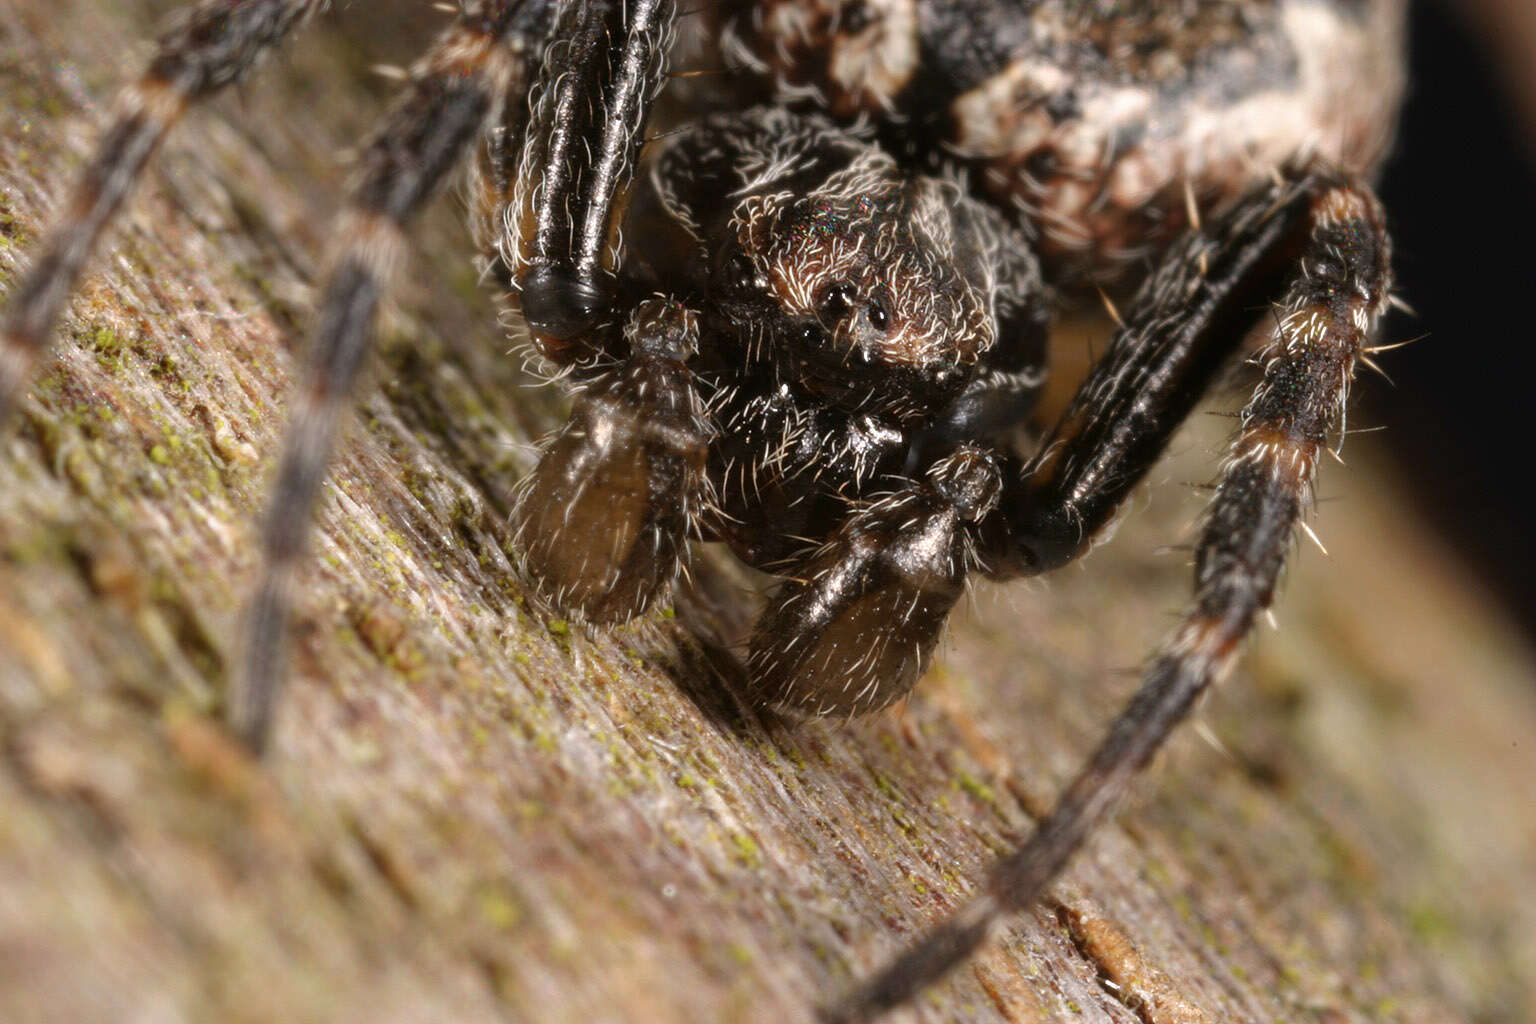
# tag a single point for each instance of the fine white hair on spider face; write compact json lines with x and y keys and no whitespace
{"x":574,"y":811}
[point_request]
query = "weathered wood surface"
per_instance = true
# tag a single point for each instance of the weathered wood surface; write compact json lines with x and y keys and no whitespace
{"x":474,"y":812}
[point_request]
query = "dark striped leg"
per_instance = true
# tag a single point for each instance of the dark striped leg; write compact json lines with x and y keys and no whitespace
{"x":560,"y":241}
{"x":214,"y":44}
{"x":1325,"y":318}
{"x":1181,"y":331}
{"x":477,"y":62}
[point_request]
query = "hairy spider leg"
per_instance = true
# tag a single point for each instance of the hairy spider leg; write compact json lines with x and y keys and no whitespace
{"x":1160,"y":362}
{"x":1181,"y":330}
{"x":603,"y":520}
{"x":603,"y":69}
{"x":479,"y":61}
{"x":212,"y":44}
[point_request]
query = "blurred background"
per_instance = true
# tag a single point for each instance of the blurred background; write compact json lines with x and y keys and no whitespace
{"x":1461,"y":198}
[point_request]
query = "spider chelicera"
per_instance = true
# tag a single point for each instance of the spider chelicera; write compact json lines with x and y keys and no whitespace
{"x":811,"y":329}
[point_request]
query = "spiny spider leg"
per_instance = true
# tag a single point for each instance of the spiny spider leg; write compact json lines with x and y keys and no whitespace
{"x":480,"y":60}
{"x":1181,"y":331}
{"x":1337,"y":291}
{"x":212,"y":45}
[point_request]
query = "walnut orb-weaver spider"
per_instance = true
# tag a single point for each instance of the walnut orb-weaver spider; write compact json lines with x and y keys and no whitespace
{"x":918,"y":406}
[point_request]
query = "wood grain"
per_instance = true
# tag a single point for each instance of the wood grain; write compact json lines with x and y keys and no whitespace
{"x":474,"y":811}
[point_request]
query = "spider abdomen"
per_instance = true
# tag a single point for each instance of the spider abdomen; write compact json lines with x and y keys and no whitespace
{"x":1092,"y":121}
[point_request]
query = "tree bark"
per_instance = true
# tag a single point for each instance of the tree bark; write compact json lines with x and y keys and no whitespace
{"x":475,"y":811}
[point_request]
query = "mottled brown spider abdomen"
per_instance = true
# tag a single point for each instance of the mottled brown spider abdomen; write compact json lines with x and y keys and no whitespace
{"x":1093,"y":120}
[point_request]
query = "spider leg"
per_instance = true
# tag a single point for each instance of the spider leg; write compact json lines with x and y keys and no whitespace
{"x":566,"y":200}
{"x":1335,"y":290}
{"x":602,"y":522}
{"x":479,"y":59}
{"x":1181,"y":330}
{"x":214,"y":43}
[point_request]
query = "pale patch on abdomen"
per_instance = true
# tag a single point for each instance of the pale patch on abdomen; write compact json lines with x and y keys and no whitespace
{"x":1103,"y":166}
{"x":1094,"y":130}
{"x":851,"y":57}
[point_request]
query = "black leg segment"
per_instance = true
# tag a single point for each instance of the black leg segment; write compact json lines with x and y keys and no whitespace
{"x":1182,"y":330}
{"x":602,"y":72}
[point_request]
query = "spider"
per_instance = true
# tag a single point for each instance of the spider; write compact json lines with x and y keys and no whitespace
{"x":809,"y":323}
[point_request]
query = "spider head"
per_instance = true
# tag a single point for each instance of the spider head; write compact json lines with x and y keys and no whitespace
{"x":867,"y":290}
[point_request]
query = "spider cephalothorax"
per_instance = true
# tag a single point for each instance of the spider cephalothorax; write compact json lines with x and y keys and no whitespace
{"x":851,"y":312}
{"x":866,"y":286}
{"x":810,"y":329}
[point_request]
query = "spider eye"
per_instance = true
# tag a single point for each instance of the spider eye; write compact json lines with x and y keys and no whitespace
{"x":741,"y":272}
{"x":878,"y":317}
{"x":835,"y":300}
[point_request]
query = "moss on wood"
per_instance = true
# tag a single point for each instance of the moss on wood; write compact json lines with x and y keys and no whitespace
{"x":476,"y":811}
